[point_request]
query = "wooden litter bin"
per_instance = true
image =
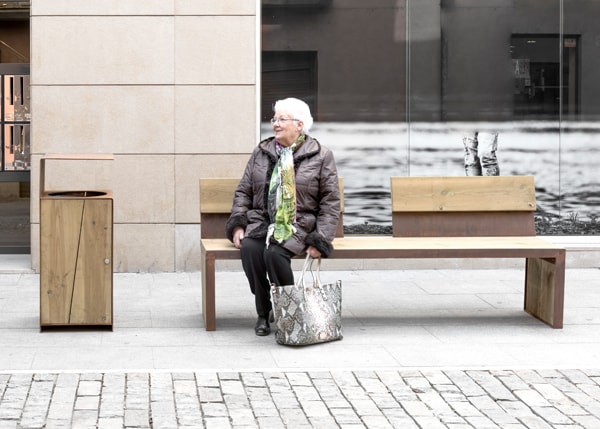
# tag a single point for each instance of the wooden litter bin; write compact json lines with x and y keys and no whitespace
{"x":76,"y":251}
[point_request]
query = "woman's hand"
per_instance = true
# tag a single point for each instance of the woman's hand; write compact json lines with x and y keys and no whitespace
{"x":238,"y":236}
{"x":313,"y":252}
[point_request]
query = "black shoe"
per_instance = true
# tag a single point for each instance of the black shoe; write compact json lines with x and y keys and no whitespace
{"x":262,"y":327}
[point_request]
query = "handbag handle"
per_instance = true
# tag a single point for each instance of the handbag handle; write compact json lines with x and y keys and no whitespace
{"x":315,"y":274}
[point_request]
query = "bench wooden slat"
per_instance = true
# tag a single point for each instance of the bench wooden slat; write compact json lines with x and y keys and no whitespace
{"x":391,"y":244}
{"x":462,"y":194}
{"x":216,"y":195}
{"x":463,"y":206}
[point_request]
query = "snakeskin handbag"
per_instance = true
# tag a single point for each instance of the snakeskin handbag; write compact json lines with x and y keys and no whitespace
{"x":308,"y":313}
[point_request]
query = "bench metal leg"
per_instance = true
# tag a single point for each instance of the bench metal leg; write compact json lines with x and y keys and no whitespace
{"x":208,"y":291}
{"x":545,"y":289}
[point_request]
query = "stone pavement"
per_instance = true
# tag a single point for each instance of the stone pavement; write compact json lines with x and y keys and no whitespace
{"x":423,"y":348}
{"x":428,"y":398}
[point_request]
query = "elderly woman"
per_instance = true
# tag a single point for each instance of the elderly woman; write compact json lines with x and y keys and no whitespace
{"x":286,"y":204}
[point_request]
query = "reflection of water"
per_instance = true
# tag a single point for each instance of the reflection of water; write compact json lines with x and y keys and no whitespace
{"x":563,"y":163}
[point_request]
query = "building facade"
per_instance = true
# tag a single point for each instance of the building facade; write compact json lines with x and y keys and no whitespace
{"x":169,"y":87}
{"x":177,"y":90}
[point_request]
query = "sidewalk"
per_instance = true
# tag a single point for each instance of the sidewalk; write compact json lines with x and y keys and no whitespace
{"x":422,"y":348}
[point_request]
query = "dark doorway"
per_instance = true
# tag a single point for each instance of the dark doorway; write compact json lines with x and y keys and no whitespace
{"x":288,"y":74}
{"x":539,"y":91}
{"x":15,"y":117}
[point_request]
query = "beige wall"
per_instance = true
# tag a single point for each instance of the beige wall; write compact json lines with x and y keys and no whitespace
{"x":167,"y":86}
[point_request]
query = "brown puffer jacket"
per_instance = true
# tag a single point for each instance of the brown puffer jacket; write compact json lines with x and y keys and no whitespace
{"x":317,"y":196}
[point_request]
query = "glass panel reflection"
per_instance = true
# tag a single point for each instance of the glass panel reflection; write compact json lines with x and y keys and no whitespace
{"x":580,"y":127}
{"x":347,"y":60}
{"x":487,"y":122}
{"x":444,"y":88}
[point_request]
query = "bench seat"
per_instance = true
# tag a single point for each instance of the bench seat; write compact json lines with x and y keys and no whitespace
{"x":380,"y":246}
{"x":544,"y":263}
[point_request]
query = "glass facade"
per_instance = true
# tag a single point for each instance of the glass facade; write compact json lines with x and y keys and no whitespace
{"x":444,"y":88}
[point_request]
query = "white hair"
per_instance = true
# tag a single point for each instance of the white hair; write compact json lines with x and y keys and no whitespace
{"x":299,"y":109}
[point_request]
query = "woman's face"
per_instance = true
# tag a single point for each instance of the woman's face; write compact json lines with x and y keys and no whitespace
{"x":286,"y":128}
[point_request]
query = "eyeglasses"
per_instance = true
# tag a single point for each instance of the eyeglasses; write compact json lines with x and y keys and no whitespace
{"x":282,"y":120}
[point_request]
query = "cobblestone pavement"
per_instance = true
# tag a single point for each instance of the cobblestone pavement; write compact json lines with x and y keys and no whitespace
{"x":324,"y":399}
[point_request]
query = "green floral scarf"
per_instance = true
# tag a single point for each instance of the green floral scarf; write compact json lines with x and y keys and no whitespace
{"x":282,"y":194}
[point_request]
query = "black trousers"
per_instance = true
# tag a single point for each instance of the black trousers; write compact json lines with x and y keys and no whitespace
{"x":265,"y":265}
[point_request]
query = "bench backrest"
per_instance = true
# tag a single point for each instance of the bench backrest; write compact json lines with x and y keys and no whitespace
{"x":216,"y":198}
{"x":470,"y":206}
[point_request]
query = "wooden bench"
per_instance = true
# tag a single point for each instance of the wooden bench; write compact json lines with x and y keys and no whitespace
{"x":432,"y":217}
